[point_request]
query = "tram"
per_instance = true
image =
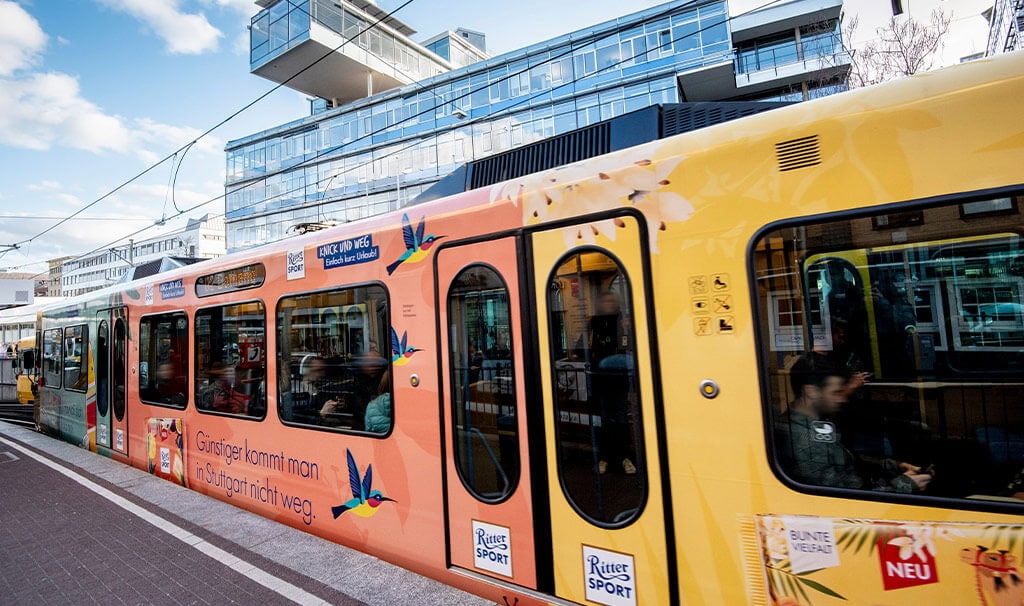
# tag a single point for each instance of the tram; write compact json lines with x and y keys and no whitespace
{"x":18,"y":360}
{"x":574,"y":387}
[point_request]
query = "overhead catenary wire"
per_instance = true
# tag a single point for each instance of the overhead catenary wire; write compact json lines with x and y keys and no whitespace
{"x":214,"y":127}
{"x":504,"y":111}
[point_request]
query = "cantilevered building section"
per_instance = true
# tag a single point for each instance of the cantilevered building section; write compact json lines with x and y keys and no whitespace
{"x":289,"y":36}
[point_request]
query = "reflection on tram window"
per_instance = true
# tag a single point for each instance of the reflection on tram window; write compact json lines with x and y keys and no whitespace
{"x":163,"y":355}
{"x":231,"y":360}
{"x":331,"y":369}
{"x":76,"y":351}
{"x":53,"y":357}
{"x":483,"y":385}
{"x":597,"y":395}
{"x":927,"y":335}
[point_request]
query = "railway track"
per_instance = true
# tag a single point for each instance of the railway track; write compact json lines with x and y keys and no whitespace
{"x":16,"y":413}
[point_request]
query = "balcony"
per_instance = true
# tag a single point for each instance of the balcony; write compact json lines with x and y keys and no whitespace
{"x":774,"y":69}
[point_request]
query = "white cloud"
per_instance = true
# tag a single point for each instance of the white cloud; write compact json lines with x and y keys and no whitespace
{"x":163,"y":136}
{"x":21,"y":38}
{"x":69,"y":199}
{"x":184,"y":33}
{"x":244,"y":7}
{"x":45,"y":186}
{"x":45,"y":109}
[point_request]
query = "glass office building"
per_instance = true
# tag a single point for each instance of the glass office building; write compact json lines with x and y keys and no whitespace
{"x":372,"y":154}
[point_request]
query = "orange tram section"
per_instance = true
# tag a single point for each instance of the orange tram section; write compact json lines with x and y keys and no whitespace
{"x":774,"y":361}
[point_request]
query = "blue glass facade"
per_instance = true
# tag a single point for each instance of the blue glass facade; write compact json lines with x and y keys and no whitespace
{"x":360,"y":159}
{"x":370,"y":155}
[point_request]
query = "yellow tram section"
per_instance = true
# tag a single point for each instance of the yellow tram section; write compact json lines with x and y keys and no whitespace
{"x":726,"y":497}
{"x":645,"y":539}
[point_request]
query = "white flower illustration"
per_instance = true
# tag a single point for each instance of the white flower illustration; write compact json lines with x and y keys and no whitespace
{"x":629,"y":179}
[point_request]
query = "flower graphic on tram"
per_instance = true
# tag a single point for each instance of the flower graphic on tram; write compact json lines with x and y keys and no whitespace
{"x":416,"y":243}
{"x":632,"y":181}
{"x":401,"y":351}
{"x":364,"y":501}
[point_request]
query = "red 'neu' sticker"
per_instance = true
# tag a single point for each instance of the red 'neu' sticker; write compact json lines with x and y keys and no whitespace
{"x":907,"y":559}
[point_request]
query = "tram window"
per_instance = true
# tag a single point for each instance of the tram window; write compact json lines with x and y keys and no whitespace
{"x":597,"y":396}
{"x":163,"y":355}
{"x":331,"y":368}
{"x":103,"y":369}
{"x":485,"y":432}
{"x":877,"y":353}
{"x":53,"y":357}
{"x":231,"y":360}
{"x":76,"y":354}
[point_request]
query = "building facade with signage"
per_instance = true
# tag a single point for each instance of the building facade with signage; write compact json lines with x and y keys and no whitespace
{"x":393,"y":117}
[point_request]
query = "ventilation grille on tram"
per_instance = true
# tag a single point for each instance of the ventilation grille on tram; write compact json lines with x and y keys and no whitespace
{"x":798,"y":153}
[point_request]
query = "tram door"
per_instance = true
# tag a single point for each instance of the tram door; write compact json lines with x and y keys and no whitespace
{"x":488,"y":481}
{"x":103,"y":381}
{"x":608,"y":519}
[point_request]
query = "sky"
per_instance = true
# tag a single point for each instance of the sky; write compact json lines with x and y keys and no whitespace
{"x":94,"y":92}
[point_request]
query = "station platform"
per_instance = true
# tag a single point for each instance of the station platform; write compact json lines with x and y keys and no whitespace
{"x":77,"y":528}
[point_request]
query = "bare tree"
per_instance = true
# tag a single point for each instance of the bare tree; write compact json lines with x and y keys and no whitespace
{"x":903,"y":46}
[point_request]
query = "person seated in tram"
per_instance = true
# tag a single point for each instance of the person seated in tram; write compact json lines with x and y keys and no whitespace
{"x":809,"y":443}
{"x":225,"y":395}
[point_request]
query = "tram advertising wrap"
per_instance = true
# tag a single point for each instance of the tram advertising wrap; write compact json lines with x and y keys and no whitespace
{"x":775,"y":361}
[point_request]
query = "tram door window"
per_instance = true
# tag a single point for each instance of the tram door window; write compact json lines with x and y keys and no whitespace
{"x":483,"y":386}
{"x":163,"y":355}
{"x":332,"y":373}
{"x":231,"y":360}
{"x":921,"y":324}
{"x":597,"y":397}
{"x":53,"y":357}
{"x":118,"y":366}
{"x":102,"y":372}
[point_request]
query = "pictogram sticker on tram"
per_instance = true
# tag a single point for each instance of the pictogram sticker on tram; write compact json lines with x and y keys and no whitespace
{"x":702,"y":327}
{"x":417,"y":244}
{"x":365,"y":500}
{"x":720,"y":282}
{"x":725,"y":325}
{"x":722,"y":303}
{"x":698,"y":285}
{"x":701,"y":305}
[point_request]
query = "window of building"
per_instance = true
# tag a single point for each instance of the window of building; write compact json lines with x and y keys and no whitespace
{"x":231,"y":360}
{"x":76,"y":353}
{"x":332,"y":370}
{"x":163,"y":359}
{"x":895,"y":368}
{"x":485,"y":432}
{"x":53,"y":357}
{"x":598,"y":425}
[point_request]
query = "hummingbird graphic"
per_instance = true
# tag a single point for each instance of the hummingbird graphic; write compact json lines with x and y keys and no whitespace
{"x":416,"y":244}
{"x":364,"y":502}
{"x":401,"y":351}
